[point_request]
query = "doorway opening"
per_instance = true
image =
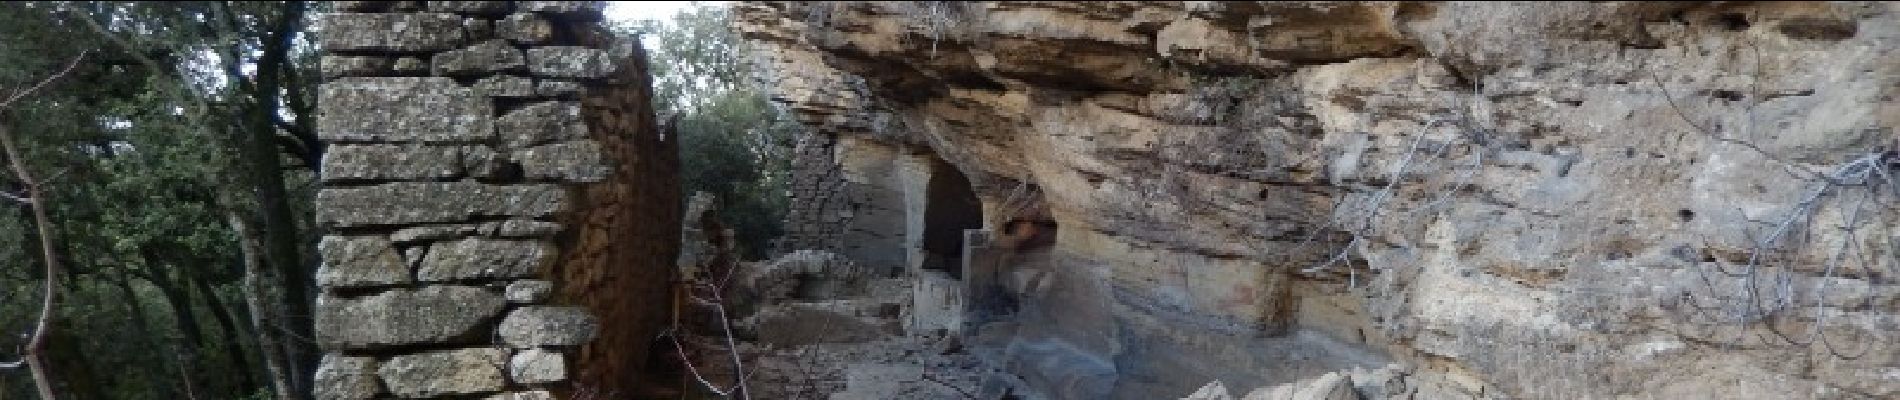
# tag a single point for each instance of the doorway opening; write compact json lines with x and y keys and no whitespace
{"x":950,"y":208}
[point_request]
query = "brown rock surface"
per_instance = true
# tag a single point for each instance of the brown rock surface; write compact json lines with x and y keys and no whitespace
{"x":1522,"y":200}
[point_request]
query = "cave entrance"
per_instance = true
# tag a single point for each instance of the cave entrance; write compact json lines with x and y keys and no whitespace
{"x":950,"y":208}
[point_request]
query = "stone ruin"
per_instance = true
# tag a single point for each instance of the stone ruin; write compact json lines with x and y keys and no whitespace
{"x":479,"y":173}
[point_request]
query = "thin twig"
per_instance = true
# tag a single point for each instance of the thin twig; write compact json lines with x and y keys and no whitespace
{"x":49,"y":80}
{"x":17,"y":198}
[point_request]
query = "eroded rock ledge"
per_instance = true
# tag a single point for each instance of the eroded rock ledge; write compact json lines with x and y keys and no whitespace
{"x":1514,"y":200}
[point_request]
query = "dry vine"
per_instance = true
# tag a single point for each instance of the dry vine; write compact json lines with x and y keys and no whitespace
{"x":1865,"y":186}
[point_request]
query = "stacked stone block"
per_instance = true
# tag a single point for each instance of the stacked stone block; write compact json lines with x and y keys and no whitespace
{"x":820,"y":206}
{"x":454,"y":140}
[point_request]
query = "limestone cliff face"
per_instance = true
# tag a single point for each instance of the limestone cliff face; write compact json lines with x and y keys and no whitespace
{"x":1522,"y":200}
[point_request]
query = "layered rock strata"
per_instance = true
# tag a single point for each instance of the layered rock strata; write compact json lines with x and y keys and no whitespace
{"x":1522,"y":200}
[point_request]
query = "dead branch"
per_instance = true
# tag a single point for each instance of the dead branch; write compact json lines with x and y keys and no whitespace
{"x":35,"y":197}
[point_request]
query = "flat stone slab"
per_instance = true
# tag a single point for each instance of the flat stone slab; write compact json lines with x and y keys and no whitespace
{"x":355,"y":162}
{"x":542,"y":326}
{"x":403,"y":203}
{"x":342,"y":377}
{"x":403,"y":109}
{"x":481,"y":59}
{"x":389,"y":32}
{"x":537,"y":366}
{"x":360,"y":261}
{"x":574,"y":161}
{"x":569,"y":62}
{"x":482,"y":258}
{"x":544,"y":122}
{"x":400,"y":317}
{"x":445,"y":373}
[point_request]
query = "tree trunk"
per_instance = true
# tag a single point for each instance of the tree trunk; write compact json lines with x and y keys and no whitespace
{"x":233,"y":337}
{"x":140,"y":323}
{"x":262,"y":167}
{"x":257,"y":294}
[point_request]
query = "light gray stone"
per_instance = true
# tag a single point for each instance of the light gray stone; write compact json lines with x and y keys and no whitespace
{"x":470,"y":7}
{"x":543,"y":122}
{"x":539,"y":326}
{"x":575,"y":161}
{"x":569,"y":62}
{"x":346,"y":162}
{"x":537,"y":366}
{"x":568,"y":8}
{"x":557,"y":89}
{"x":505,"y":86}
{"x":362,"y":6}
{"x":445,"y":373}
{"x":529,"y":291}
{"x":411,"y":66}
{"x":434,"y":232}
{"x":524,"y":228}
{"x":478,"y":29}
{"x":534,"y":395}
{"x":334,"y":67}
{"x":481,"y":258}
{"x":389,"y":32}
{"x":404,"y":203}
{"x":501,"y":229}
{"x":483,"y":162}
{"x":525,"y":28}
{"x":480,"y":59}
{"x":342,"y":377}
{"x":402,"y":317}
{"x":360,"y":261}
{"x":403,"y":109}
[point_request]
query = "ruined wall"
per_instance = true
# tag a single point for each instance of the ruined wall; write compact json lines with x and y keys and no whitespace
{"x":500,"y":208}
{"x":1524,"y":200}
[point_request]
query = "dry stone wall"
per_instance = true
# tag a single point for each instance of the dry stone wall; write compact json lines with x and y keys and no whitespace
{"x":457,"y":148}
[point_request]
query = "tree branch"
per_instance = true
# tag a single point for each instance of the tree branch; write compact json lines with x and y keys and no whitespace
{"x":36,"y":87}
{"x":17,"y":198}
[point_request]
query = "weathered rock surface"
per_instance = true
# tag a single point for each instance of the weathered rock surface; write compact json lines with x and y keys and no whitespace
{"x":567,"y":8}
{"x":569,"y":62}
{"x":480,"y":59}
{"x":480,"y":258}
{"x":340,"y":66}
{"x":529,"y":291}
{"x":403,"y":109}
{"x":542,"y":122}
{"x":347,"y":162}
{"x":505,"y":86}
{"x":534,"y":395}
{"x":346,"y":378}
{"x":446,"y":373}
{"x":541,"y":326}
{"x":360,"y":261}
{"x":399,"y":317}
{"x":577,"y":161}
{"x":514,"y":228}
{"x":1521,"y":199}
{"x":536,"y":366}
{"x":525,"y":28}
{"x":416,"y":202}
{"x":409,"y":32}
{"x":470,"y":7}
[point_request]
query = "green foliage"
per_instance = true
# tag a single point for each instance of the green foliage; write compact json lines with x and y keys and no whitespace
{"x":733,"y":143}
{"x":134,"y":152}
